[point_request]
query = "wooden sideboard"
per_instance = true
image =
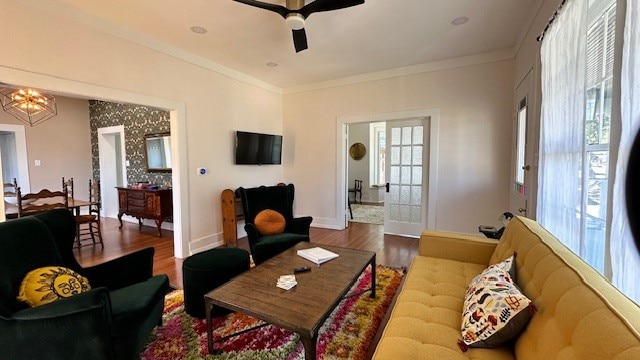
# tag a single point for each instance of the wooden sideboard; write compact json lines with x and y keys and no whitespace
{"x":145,"y":204}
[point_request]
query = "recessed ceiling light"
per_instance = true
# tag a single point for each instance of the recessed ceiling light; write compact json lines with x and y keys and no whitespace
{"x":199,"y":30}
{"x":272,"y":64}
{"x":459,"y":20}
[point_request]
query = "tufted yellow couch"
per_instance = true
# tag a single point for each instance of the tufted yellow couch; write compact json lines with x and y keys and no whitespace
{"x":580,"y":314}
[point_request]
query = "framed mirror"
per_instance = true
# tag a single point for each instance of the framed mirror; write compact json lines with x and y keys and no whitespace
{"x":158,"y":152}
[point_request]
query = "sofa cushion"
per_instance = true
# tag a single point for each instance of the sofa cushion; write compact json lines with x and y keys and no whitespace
{"x":50,"y":283}
{"x":132,"y":304}
{"x":425,"y":321}
{"x":579,"y":314}
{"x":495,"y":310}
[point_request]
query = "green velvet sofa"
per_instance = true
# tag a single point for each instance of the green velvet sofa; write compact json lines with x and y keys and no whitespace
{"x":113,"y":320}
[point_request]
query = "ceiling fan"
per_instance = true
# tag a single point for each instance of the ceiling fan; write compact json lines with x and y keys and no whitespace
{"x":296,"y":12}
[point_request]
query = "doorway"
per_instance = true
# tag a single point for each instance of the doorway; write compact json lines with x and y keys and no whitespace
{"x":429,"y":174}
{"x":524,"y":168}
{"x":13,"y":147}
{"x":365,"y":172}
{"x":112,"y":156}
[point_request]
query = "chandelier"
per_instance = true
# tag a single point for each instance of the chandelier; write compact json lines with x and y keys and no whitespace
{"x":28,"y":105}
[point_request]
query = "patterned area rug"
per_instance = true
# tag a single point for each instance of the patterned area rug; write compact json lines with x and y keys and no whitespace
{"x":346,"y":334}
{"x":370,"y":214}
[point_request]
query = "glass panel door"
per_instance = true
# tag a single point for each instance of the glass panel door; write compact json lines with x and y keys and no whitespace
{"x":405,"y":213}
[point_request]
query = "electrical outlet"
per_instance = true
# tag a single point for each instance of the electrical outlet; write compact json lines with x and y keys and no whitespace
{"x":37,"y":163}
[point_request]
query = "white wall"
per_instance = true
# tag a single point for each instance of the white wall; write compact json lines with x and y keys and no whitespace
{"x":42,"y":46}
{"x":475,"y":139}
{"x":63,"y":146}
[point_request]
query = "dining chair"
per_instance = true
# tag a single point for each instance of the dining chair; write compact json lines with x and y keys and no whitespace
{"x":43,"y":200}
{"x":357,"y":189}
{"x":10,"y":199}
{"x":10,"y":188}
{"x":88,"y":225}
{"x":68,"y":184}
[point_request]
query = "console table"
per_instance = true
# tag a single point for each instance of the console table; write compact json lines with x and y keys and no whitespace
{"x":145,"y":204}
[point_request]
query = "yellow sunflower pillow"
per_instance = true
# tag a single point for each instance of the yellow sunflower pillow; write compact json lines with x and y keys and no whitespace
{"x":48,"y":284}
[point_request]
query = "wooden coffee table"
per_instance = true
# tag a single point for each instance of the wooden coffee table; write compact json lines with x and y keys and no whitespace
{"x":305,"y":307}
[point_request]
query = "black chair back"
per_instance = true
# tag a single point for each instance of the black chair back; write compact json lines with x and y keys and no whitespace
{"x":278,"y":198}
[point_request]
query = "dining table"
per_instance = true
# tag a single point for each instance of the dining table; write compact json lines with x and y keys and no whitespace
{"x":11,"y":210}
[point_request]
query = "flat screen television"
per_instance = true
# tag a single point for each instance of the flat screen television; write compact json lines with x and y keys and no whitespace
{"x":258,"y":149}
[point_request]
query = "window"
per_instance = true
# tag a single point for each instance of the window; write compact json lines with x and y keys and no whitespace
{"x":378,"y":142}
{"x":521,"y":141}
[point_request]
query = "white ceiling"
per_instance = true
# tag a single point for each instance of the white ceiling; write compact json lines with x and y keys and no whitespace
{"x":376,"y":36}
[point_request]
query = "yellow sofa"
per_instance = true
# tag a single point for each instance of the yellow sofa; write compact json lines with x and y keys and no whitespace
{"x":580,"y":315}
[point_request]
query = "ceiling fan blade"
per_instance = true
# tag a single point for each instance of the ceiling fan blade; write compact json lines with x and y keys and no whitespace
{"x":283,"y":11}
{"x":299,"y":40}
{"x":327,"y":5}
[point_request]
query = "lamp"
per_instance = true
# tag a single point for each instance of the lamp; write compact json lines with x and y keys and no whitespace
{"x":28,"y":105}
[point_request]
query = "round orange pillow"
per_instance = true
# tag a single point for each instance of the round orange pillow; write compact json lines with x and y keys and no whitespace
{"x":269,"y":222}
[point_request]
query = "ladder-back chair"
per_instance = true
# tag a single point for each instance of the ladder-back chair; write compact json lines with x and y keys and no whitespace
{"x":43,"y":200}
{"x":88,"y":225}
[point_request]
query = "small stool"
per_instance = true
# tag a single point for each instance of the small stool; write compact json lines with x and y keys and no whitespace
{"x":206,"y":271}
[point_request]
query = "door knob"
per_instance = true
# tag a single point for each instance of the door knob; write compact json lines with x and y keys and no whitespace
{"x":526,"y":167}
{"x":522,"y":210}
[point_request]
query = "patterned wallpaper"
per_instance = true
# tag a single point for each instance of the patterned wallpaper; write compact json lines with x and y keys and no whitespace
{"x":138,"y":121}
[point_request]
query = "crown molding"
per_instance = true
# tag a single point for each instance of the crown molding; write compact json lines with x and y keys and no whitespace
{"x":500,"y":55}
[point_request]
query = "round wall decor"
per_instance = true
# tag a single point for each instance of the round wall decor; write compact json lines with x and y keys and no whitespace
{"x":357,"y":151}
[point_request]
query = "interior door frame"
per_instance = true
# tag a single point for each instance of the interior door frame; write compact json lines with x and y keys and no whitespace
{"x":525,"y":90}
{"x":102,"y":132}
{"x":432,"y":116}
{"x":22,"y":161}
{"x":21,"y":153}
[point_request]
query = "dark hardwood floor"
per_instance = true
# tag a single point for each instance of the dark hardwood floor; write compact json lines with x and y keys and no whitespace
{"x":391,"y":250}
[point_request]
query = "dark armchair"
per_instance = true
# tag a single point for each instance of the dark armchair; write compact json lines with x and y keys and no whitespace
{"x":280,"y":199}
{"x":111,"y":321}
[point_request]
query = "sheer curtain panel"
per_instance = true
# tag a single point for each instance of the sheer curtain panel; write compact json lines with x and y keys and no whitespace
{"x":562,"y":124}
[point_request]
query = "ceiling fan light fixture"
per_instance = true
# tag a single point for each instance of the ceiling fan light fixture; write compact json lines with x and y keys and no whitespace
{"x":295,"y":21}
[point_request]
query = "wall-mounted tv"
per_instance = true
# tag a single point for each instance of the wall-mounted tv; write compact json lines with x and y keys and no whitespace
{"x":258,"y":149}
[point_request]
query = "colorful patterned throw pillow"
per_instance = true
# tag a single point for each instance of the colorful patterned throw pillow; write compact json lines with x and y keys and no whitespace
{"x":495,"y":310}
{"x":48,"y":284}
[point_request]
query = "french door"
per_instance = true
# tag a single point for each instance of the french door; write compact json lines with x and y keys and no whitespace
{"x":405,"y":198}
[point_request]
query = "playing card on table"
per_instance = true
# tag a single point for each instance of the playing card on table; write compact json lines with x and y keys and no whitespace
{"x":286,"y":282}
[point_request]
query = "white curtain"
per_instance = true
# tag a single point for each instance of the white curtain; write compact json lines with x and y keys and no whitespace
{"x":625,"y":261}
{"x":563,"y":56}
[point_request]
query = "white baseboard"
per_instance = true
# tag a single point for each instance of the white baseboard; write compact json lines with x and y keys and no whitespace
{"x":205,"y":243}
{"x":147,"y":222}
